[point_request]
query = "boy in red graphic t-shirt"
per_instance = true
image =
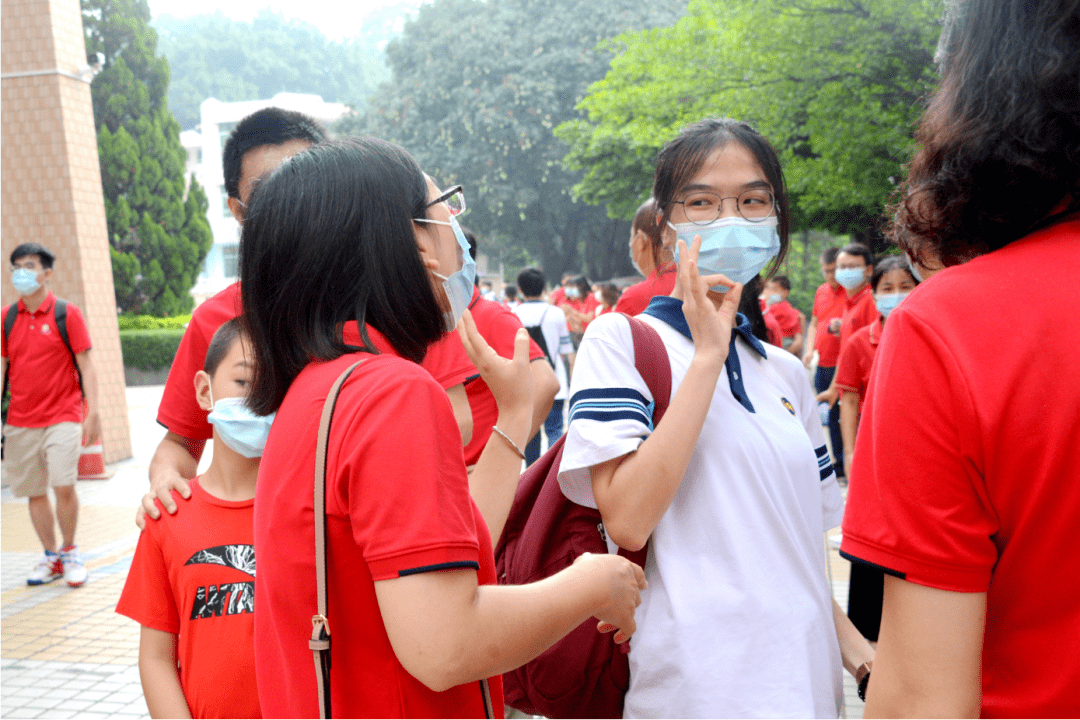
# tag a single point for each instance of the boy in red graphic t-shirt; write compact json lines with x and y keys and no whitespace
{"x":192,"y":582}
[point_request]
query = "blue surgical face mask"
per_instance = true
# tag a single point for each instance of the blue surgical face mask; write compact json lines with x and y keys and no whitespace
{"x":773,"y":299}
{"x":887,"y":303}
{"x":573,"y":293}
{"x":733,"y":246}
{"x":850,"y":278}
{"x":25,"y":281}
{"x":459,"y":286}
{"x":238,"y":427}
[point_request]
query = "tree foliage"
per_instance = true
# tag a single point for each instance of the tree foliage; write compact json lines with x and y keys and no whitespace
{"x":836,"y":85}
{"x":158,"y":233}
{"x":215,"y":56}
{"x":477,"y":89}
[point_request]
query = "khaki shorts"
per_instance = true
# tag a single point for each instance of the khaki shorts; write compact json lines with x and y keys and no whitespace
{"x":37,"y":458}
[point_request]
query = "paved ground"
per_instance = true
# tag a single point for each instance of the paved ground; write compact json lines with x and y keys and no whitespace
{"x":64,"y":652}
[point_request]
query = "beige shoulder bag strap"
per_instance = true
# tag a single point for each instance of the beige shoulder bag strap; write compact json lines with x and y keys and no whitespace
{"x":320,"y":626}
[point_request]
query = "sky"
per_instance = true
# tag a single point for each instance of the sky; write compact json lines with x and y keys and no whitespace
{"x":333,"y":17}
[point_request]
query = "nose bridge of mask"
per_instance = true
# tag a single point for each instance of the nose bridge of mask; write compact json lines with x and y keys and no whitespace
{"x":734,"y":247}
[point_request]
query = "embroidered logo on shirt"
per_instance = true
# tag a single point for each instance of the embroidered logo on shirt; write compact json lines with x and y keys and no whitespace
{"x":45,"y":329}
{"x":225,"y":598}
{"x":788,"y":405}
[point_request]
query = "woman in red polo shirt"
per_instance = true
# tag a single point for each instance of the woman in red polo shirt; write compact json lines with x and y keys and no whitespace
{"x":351,"y":239}
{"x":891,"y":282}
{"x":965,"y":486}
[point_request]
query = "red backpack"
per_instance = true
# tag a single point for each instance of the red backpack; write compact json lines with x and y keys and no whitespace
{"x":584,"y":675}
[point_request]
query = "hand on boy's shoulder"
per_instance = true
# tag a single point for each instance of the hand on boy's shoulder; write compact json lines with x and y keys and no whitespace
{"x":166,"y":517}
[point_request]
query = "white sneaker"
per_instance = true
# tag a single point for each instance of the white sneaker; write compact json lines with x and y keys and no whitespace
{"x":49,"y":569}
{"x":74,"y":570}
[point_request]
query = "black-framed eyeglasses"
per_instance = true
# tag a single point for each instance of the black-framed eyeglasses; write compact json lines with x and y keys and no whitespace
{"x":703,"y":207}
{"x":454,"y":199}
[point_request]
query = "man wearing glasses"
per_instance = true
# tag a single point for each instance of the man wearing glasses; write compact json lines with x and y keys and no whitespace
{"x":48,"y":368}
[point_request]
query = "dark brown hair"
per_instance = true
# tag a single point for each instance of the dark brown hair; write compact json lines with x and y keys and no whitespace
{"x":999,"y":145}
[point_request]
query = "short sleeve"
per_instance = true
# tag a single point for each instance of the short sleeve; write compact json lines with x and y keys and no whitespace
{"x":556,"y":318}
{"x":400,"y":474}
{"x":78,"y":335}
{"x":147,"y":597}
{"x":610,"y":406}
{"x":3,"y":314}
{"x":848,"y":373}
{"x":918,"y":504}
{"x":448,"y":362}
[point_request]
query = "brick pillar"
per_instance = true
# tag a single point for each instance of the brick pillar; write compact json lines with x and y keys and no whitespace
{"x":52,"y":182}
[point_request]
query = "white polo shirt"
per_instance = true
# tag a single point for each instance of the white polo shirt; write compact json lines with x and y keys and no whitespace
{"x":737,"y":620}
{"x":557,"y":336}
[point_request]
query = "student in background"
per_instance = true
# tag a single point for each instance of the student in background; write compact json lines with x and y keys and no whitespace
{"x":891,"y":282}
{"x":547,"y":326}
{"x":607,"y":294}
{"x":650,"y":258}
{"x":854,"y":268}
{"x":579,"y":306}
{"x":511,"y":294}
{"x":191,"y":585}
{"x":823,"y":336}
{"x":49,"y":376}
{"x":776,"y":293}
{"x":965,"y":485}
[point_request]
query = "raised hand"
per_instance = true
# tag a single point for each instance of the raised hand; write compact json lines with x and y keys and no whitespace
{"x":710,"y":314}
{"x":510,"y":381}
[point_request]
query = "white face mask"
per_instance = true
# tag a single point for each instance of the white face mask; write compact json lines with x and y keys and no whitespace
{"x":238,"y":427}
{"x":734,"y":247}
{"x":459,"y":286}
{"x":25,"y":281}
{"x":599,"y":297}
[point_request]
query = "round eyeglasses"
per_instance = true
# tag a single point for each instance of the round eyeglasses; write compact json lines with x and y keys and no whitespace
{"x":454,"y":199}
{"x":703,"y":207}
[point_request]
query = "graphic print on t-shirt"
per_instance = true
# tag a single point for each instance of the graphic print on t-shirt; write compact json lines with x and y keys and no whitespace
{"x":225,"y":598}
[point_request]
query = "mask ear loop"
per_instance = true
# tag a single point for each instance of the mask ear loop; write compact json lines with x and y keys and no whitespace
{"x":210,"y":388}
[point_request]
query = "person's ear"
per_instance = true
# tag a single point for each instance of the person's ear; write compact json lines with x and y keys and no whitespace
{"x":869,"y":271}
{"x":203,"y":394}
{"x":46,"y":274}
{"x":236,"y":208}
{"x":426,"y":244}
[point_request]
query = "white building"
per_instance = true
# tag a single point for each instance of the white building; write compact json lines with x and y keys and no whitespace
{"x":204,"y":147}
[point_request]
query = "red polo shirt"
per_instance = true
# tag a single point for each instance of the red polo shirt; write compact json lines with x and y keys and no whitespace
{"x":43,"y":381}
{"x":397,"y":503}
{"x":446,"y":360}
{"x":828,"y":304}
{"x":585,"y":306}
{"x":558,"y":295}
{"x":966,"y":474}
{"x":635,"y":298}
{"x":787,"y":317}
{"x":856,"y":360}
{"x":859,"y":311}
{"x":498,"y":326}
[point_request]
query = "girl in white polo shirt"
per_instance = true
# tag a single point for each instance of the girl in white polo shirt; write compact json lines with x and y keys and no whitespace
{"x":734,"y":489}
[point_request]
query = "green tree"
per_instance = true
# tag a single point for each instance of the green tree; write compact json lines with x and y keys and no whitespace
{"x":158,"y":230}
{"x":215,"y":56}
{"x":477,"y":89}
{"x":836,"y":85}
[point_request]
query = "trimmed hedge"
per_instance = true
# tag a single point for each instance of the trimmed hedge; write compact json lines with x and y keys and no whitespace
{"x":148,"y":322}
{"x":150,"y":349}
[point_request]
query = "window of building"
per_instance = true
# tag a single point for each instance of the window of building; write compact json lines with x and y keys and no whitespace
{"x":231,"y":260}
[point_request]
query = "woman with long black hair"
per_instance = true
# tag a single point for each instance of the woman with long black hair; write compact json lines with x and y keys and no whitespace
{"x":349,"y":252}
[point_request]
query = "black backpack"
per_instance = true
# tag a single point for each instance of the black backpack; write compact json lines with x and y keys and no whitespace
{"x":536,"y":332}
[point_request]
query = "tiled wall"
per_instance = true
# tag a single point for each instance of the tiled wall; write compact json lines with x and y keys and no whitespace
{"x":51,"y":180}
